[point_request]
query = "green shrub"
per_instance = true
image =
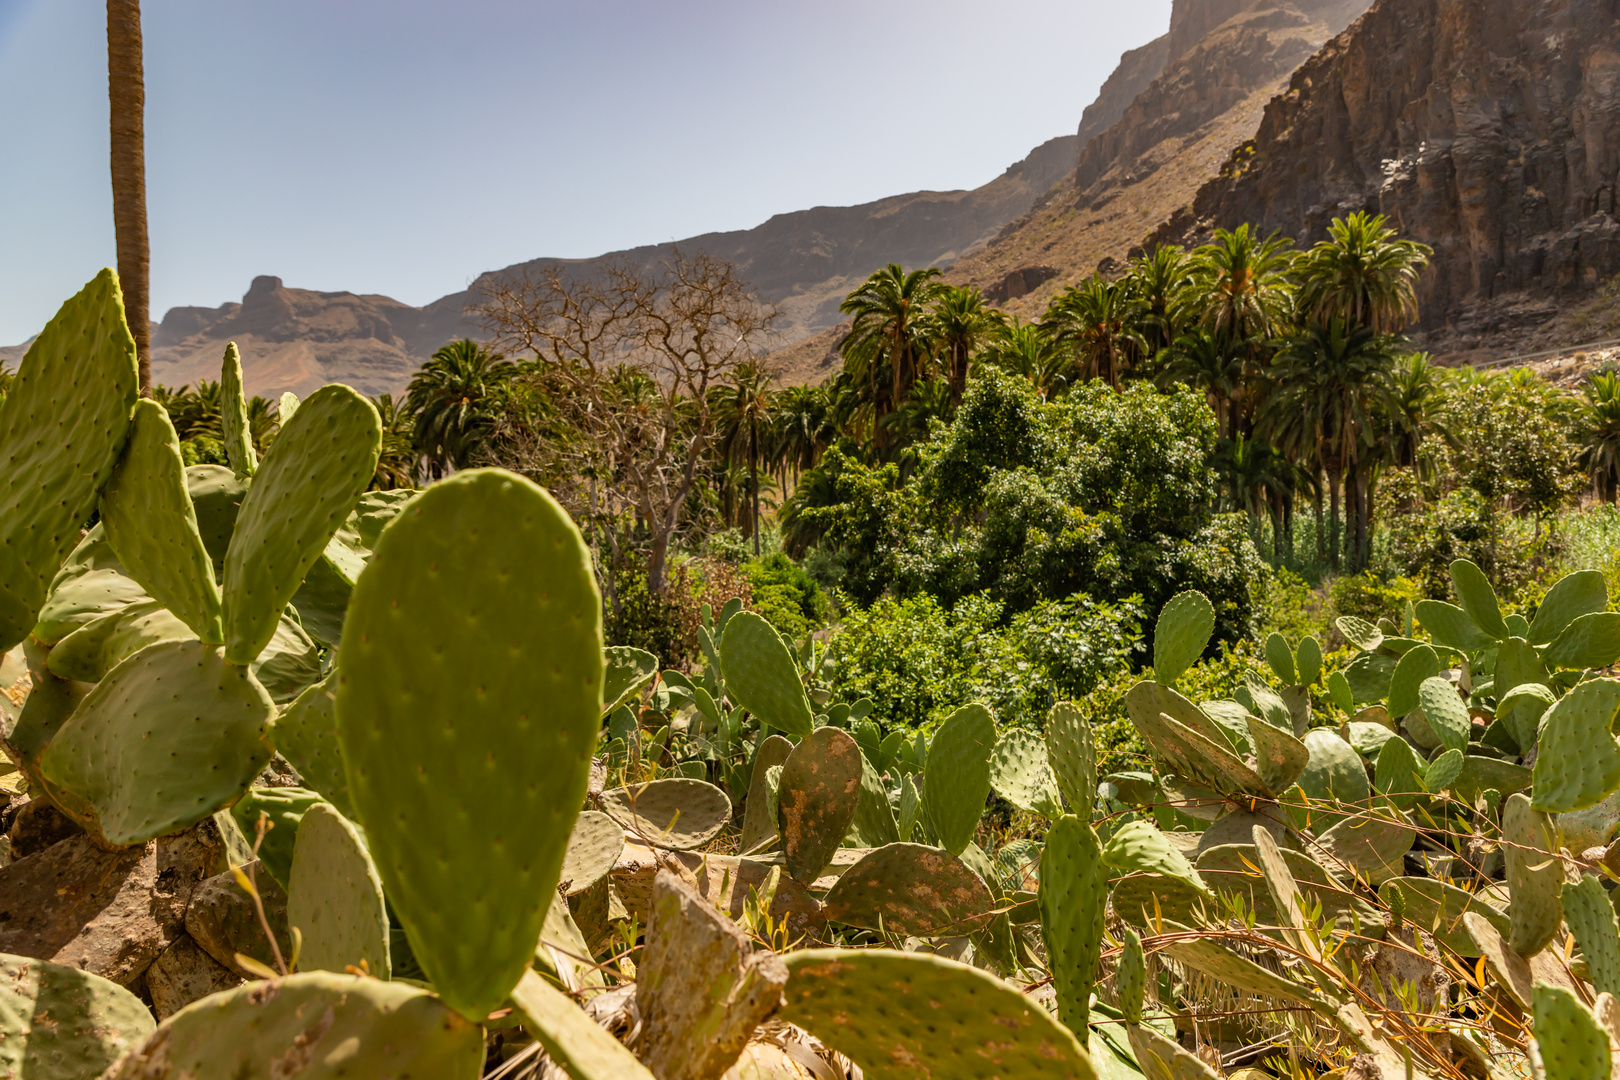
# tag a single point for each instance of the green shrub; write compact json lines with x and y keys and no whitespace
{"x":1368,"y":596}
{"x":639,"y":618}
{"x":787,"y":596}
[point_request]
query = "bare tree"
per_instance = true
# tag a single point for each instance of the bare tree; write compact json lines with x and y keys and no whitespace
{"x":126,"y":93}
{"x":628,"y":356}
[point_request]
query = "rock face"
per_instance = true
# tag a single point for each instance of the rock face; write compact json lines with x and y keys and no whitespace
{"x":1489,"y":131}
{"x":1137,"y":69}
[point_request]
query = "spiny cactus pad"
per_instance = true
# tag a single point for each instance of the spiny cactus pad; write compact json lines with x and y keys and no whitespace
{"x":1359,"y":632}
{"x":761,"y":675}
{"x":90,"y":584}
{"x":1411,"y":669}
{"x":1518,"y":664}
{"x":570,"y":1037}
{"x":1148,"y":699}
{"x":306,"y":735}
{"x":593,"y":847}
{"x":1535,"y":876}
{"x":1138,"y":846}
{"x":1181,"y":634}
{"x":285,"y":808}
{"x":817,"y":797}
{"x":1450,"y":625}
{"x":909,"y":889}
{"x":874,"y":824}
{"x":1437,"y":907}
{"x":1308,"y":661}
{"x":237,"y":431}
{"x":1591,"y":641}
{"x":904,"y":1015}
{"x":308,"y":483}
{"x":1073,"y":901}
{"x":1130,"y":977}
{"x":1478,"y":598}
{"x":1578,"y":762}
{"x":171,"y":735}
{"x":151,"y":524}
{"x":1571,"y":1044}
{"x":1280,"y":658}
{"x":1446,"y":713}
{"x":62,"y":426}
{"x":335,"y":897}
{"x":1072,"y":755}
{"x":1521,"y":709}
{"x":1581,"y":593}
{"x":1279,"y":757}
{"x":1373,"y":846}
{"x":470,"y":676}
{"x":60,"y":1023}
{"x":1335,"y":770}
{"x":1019,"y":773}
{"x":958,"y":778}
{"x":674,"y":812}
{"x":1591,"y":918}
{"x":759,"y":824}
{"x":1198,"y":759}
{"x":626,"y":671}
{"x":324,"y":1025}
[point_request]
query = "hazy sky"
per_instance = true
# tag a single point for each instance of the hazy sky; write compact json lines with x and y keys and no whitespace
{"x":404,"y":146}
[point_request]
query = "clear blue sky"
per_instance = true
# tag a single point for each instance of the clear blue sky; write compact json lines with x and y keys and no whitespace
{"x":404,"y":146}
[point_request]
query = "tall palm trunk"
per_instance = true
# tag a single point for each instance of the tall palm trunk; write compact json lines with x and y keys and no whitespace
{"x":959,"y":373}
{"x":753,"y":480}
{"x":126,"y":92}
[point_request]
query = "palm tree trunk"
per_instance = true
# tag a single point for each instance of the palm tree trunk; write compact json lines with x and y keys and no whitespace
{"x":1334,"y":477}
{"x":753,"y":480}
{"x":1321,"y":533}
{"x":959,"y":372}
{"x":126,"y":92}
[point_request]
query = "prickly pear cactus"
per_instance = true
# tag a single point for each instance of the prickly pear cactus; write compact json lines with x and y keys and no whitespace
{"x":1072,"y":756}
{"x":1581,"y":593}
{"x":306,"y":735}
{"x":335,"y":898}
{"x":1591,"y":641}
{"x":1131,"y":977}
{"x":761,"y":675}
{"x":238,"y":435}
{"x":910,"y":889}
{"x":1578,"y":763}
{"x":904,"y":1015}
{"x":759,"y":824}
{"x":470,"y":674}
{"x":1478,"y":599}
{"x":817,"y":797}
{"x":151,"y":524}
{"x":1569,"y":1041}
{"x":1446,"y":713}
{"x":1181,"y":635}
{"x":1535,"y":876}
{"x":874,"y":824}
{"x":1280,"y":658}
{"x":62,"y":427}
{"x":1591,"y":918}
{"x":310,"y":479}
{"x":285,"y":808}
{"x":1139,"y":847}
{"x":627,"y":670}
{"x":958,"y":777}
{"x":322,"y":1024}
{"x":171,"y":735}
{"x":673,"y":812}
{"x":60,"y":1023}
{"x":593,"y":847}
{"x":1019,"y":773}
{"x":1073,"y":902}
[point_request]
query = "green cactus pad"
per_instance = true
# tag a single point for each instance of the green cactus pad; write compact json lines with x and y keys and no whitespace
{"x":1359,"y":632}
{"x":958,"y":776}
{"x":335,"y":898}
{"x":1399,"y":773}
{"x":152,"y":527}
{"x":1263,"y":702}
{"x":60,"y":1023}
{"x":1281,"y":658}
{"x":1480,"y":774}
{"x":171,"y":735}
{"x":1367,"y":736}
{"x":910,"y":808}
{"x":1138,"y":846}
{"x":216,"y":498}
{"x":1233,"y":869}
{"x":1569,"y":1040}
{"x":1149,"y":699}
{"x":1535,"y":876}
{"x":1438,"y":907}
{"x":1234,"y":719}
{"x":1130,"y":977}
{"x":1591,"y":918}
{"x":759,"y":823}
{"x":325,"y":1025}
{"x":1368,"y":677}
{"x":570,"y":1037}
{"x":1521,"y":710}
{"x":1445,"y":712}
{"x":1280,"y":759}
{"x":1443,"y":771}
{"x":306,"y":735}
{"x":1578,"y":763}
{"x":309,"y":481}
{"x":874,"y":823}
{"x":1161,"y":1058}
{"x":1218,"y":962}
{"x":1073,"y":902}
{"x":674,"y":812}
{"x":1518,"y":664}
{"x":761,"y":675}
{"x":1450,"y":625}
{"x":1411,"y":669}
{"x":285,"y":807}
{"x":1373,"y":846}
{"x":1308,"y":661}
{"x":910,"y":889}
{"x":1144,"y":899}
{"x":1019,"y":773}
{"x":900,"y":1016}
{"x":625,"y":671}
{"x":90,"y":584}
{"x":1198,"y":759}
{"x":289,"y":664}
{"x":1181,"y":635}
{"x":1339,"y":690}
{"x":93,"y":650}
{"x":1581,"y":593}
{"x":1335,"y":771}
{"x":817,"y":797}
{"x":1072,"y":756}
{"x":470,"y":675}
{"x":1591,"y":641}
{"x":593,"y":847}
{"x":62,"y":427}
{"x":1478,"y":599}
{"x":238,"y":434}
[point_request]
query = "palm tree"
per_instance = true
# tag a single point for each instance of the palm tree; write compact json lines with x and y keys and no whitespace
{"x":1101,"y":321}
{"x":1027,"y":350}
{"x":803,"y":427}
{"x":889,"y":311}
{"x":1202,"y":359}
{"x":396,"y":464}
{"x":958,"y":323}
{"x":1257,"y":478}
{"x":1598,"y":425}
{"x":1160,"y":282}
{"x":1409,"y":394}
{"x":744,"y":426}
{"x":5,"y":381}
{"x":450,"y":396}
{"x":1238,"y":285}
{"x":1363,"y":275}
{"x":126,"y":92}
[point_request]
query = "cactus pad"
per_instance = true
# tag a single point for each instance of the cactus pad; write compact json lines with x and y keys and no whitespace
{"x":309,"y":481}
{"x":1198,"y":759}
{"x":910,"y":889}
{"x":1359,"y":632}
{"x":1591,"y":641}
{"x":1446,"y":713}
{"x":571,"y":1037}
{"x":1308,"y":661}
{"x":674,"y":812}
{"x":904,"y":1015}
{"x":62,"y":427}
{"x":285,"y":808}
{"x":593,"y":848}
{"x":1411,"y":669}
{"x":1438,"y":908}
{"x":1181,"y":634}
{"x":306,"y":735}
{"x":1373,"y":846}
{"x":91,"y":583}
{"x":237,"y":431}
{"x":958,"y":777}
{"x":1279,"y":757}
{"x":1232,"y":868}
{"x":1478,"y":598}
{"x":1280,"y":658}
{"x":1535,"y":876}
{"x":1591,"y":917}
{"x":1072,"y":755}
{"x":1130,"y":977}
{"x":761,"y":675}
{"x":874,"y":823}
{"x":1073,"y":901}
{"x":1399,"y":773}
{"x":817,"y":797}
{"x":335,"y":898}
{"x":1368,"y":677}
{"x":152,"y":527}
{"x":1335,"y":770}
{"x":1578,"y":762}
{"x":1581,"y":593}
{"x":1569,"y":1041}
{"x":1450,"y":625}
{"x":1518,"y":664}
{"x":1149,"y":699}
{"x":171,"y":735}
{"x":759,"y":824}
{"x":1019,"y":773}
{"x":625,"y":671}
{"x":321,"y":1024}
{"x":60,"y":1023}
{"x":1138,"y":846}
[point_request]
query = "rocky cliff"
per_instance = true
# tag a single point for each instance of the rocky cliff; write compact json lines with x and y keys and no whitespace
{"x":1490,"y":131}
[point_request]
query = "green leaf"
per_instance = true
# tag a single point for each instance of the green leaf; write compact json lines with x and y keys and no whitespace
{"x":1478,"y":598}
{"x":1183,"y":632}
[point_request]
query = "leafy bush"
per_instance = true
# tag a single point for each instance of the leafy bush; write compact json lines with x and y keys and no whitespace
{"x":787,"y":596}
{"x":640,"y":619}
{"x":1368,"y":596}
